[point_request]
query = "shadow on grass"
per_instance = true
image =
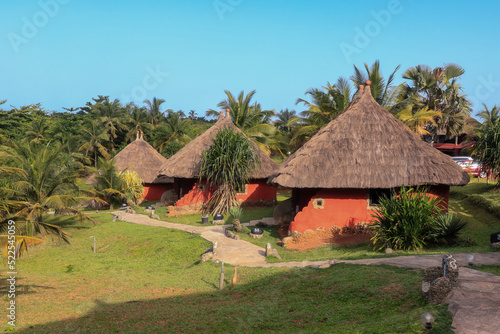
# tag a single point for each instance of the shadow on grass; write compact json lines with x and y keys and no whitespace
{"x":344,"y":298}
{"x":68,"y":221}
{"x":20,"y":289}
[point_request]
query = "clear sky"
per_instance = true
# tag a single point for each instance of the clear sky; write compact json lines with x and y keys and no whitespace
{"x":62,"y":53}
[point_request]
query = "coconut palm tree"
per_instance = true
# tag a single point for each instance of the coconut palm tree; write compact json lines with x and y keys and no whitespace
{"x":112,"y":117}
{"x":173,"y":130}
{"x":283,"y":121}
{"x":37,"y":130}
{"x":137,"y":122}
{"x":325,"y":106}
{"x":381,"y":90}
{"x":110,"y":186}
{"x":226,"y":166}
{"x":47,"y":181}
{"x":418,"y":121}
{"x":94,"y":137}
{"x":153,"y":108}
{"x":489,"y":117}
{"x":249,"y":117}
{"x":192,"y":114}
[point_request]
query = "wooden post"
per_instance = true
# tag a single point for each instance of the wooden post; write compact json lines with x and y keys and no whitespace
{"x":221,"y":280}
{"x":235,"y":276}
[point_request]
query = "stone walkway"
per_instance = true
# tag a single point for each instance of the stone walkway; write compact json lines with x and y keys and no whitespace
{"x":475,"y":303}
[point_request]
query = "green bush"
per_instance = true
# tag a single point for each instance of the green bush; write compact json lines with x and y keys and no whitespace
{"x":447,"y":226}
{"x":406,"y":220}
{"x":236,"y":212}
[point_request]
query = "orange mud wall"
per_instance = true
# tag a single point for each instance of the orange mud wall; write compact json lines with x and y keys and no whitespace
{"x":194,"y":191}
{"x":341,"y":207}
{"x":153,"y":191}
{"x":256,"y":190}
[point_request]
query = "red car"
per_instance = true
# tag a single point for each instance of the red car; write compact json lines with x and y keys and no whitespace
{"x":474,"y":168}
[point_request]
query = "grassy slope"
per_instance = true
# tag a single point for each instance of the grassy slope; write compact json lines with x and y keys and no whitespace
{"x":148,"y":279}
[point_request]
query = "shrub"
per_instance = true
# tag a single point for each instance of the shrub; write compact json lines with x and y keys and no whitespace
{"x":405,"y":221}
{"x":236,"y":212}
{"x":133,"y":186}
{"x":447,"y":226}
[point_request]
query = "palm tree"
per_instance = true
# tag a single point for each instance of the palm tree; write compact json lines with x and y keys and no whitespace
{"x":380,"y":89}
{"x":137,"y":122}
{"x":173,"y":131}
{"x":325,"y":106}
{"x":490,"y":117}
{"x":192,"y":114}
{"x":249,"y":117}
{"x":37,"y":130}
{"x":111,"y":115}
{"x":283,"y":121}
{"x":226,"y":166}
{"x":47,"y":181}
{"x":418,"y":121}
{"x":109,"y":186}
{"x":153,"y":109}
{"x":438,"y":90}
{"x":94,"y":139}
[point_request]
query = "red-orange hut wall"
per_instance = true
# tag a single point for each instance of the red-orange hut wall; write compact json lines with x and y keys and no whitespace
{"x":153,"y":191}
{"x":201,"y":192}
{"x":342,"y":207}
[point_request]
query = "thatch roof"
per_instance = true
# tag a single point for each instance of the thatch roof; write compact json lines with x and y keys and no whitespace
{"x":366,"y":147}
{"x":186,"y":163}
{"x":142,"y":158}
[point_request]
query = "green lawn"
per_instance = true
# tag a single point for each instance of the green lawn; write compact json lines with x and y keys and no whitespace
{"x":488,"y":269}
{"x":481,"y":223}
{"x":195,"y":219}
{"x":148,"y":279}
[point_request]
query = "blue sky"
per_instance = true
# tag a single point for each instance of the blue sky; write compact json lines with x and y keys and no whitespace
{"x":62,"y":53}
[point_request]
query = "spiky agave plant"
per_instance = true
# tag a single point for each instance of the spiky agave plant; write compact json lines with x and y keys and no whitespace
{"x":227,"y":166}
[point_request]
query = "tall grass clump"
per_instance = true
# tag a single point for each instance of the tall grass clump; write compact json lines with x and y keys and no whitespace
{"x":405,"y":220}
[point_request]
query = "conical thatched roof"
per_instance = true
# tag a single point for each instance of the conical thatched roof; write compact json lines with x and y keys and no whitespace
{"x":142,"y":158}
{"x":366,"y":147}
{"x":186,"y":163}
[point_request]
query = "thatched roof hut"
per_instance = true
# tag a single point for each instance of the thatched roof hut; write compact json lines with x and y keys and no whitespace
{"x":142,"y":158}
{"x":187,"y":162}
{"x":367,"y":148}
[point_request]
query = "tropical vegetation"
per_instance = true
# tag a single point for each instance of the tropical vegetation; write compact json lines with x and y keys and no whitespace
{"x":411,"y":219}
{"x":81,"y":140}
{"x":227,"y":166}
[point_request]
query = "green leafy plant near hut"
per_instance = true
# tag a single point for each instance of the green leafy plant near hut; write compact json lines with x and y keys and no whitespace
{"x":411,"y":220}
{"x":227,"y":166}
{"x":133,"y":186}
{"x":236,"y":212}
{"x":115,"y":187}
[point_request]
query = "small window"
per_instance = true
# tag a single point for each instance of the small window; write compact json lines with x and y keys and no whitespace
{"x":319,"y":203}
{"x":375,"y":195}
